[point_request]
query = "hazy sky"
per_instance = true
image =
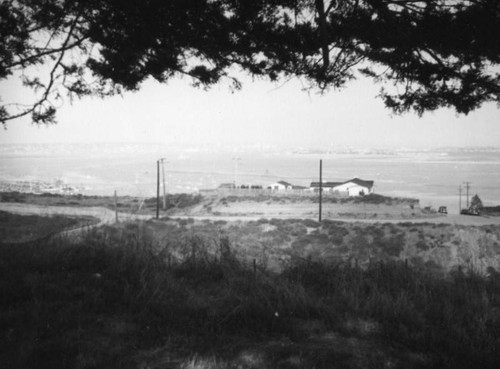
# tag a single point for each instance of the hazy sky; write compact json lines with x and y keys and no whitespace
{"x":261,"y":113}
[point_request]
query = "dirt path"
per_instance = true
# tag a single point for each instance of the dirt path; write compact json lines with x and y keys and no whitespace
{"x":107,"y":216}
{"x":103,"y":215}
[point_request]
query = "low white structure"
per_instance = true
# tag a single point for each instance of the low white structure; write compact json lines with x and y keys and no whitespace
{"x":281,"y":186}
{"x":325,"y":186}
{"x":355,"y":187}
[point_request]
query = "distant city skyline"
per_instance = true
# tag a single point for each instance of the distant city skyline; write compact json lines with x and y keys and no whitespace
{"x":261,"y":113}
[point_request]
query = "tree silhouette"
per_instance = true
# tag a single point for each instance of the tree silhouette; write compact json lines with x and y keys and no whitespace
{"x":426,"y":54}
{"x":476,"y":203}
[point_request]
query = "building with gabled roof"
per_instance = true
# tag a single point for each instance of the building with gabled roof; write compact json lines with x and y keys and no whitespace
{"x":281,"y":186}
{"x":356,"y":187}
{"x":352,"y":187}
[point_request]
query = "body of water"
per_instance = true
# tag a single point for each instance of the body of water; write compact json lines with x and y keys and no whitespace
{"x":433,"y":176}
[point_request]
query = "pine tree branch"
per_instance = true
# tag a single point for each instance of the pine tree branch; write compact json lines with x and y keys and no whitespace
{"x":52,"y":77}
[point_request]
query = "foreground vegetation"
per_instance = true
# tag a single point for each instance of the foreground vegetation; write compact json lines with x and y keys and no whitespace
{"x":121,"y":299}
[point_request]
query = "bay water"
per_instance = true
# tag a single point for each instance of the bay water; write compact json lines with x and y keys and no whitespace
{"x":433,"y":176}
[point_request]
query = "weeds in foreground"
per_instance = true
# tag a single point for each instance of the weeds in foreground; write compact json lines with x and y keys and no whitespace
{"x":122,"y":303}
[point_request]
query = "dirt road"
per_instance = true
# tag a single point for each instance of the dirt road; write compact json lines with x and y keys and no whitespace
{"x":104,"y":215}
{"x":107,"y":216}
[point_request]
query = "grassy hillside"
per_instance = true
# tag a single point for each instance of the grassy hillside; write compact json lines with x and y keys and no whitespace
{"x":274,"y":243}
{"x":177,"y":295}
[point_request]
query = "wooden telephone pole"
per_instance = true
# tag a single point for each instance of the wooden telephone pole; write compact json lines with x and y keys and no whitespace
{"x":467,"y":186}
{"x":163,"y":178}
{"x":236,"y":161}
{"x":320,"y":186}
{"x":460,"y":199}
{"x":157,"y":189}
{"x":116,"y":207}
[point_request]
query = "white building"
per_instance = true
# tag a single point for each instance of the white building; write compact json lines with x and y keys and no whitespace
{"x":281,"y":186}
{"x":355,"y":187}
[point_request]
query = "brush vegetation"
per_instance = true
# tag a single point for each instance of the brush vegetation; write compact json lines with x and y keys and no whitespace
{"x":121,"y":297}
{"x":297,"y":197}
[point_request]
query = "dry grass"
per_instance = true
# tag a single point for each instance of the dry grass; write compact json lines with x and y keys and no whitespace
{"x":123,"y":299}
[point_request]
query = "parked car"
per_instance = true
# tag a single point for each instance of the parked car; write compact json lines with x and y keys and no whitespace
{"x":470,"y":211}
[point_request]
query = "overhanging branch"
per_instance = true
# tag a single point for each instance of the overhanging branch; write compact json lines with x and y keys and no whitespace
{"x":52,"y":77}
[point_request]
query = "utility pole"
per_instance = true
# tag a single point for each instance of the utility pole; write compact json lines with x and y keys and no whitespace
{"x":116,"y":208}
{"x":236,"y":160}
{"x":320,"y":186}
{"x":467,"y":186}
{"x":157,"y":189}
{"x":163,"y":177}
{"x":460,"y":199}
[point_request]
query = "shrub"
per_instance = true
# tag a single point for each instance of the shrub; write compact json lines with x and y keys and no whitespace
{"x":336,"y":232}
{"x":394,"y":245}
{"x":310,"y":223}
